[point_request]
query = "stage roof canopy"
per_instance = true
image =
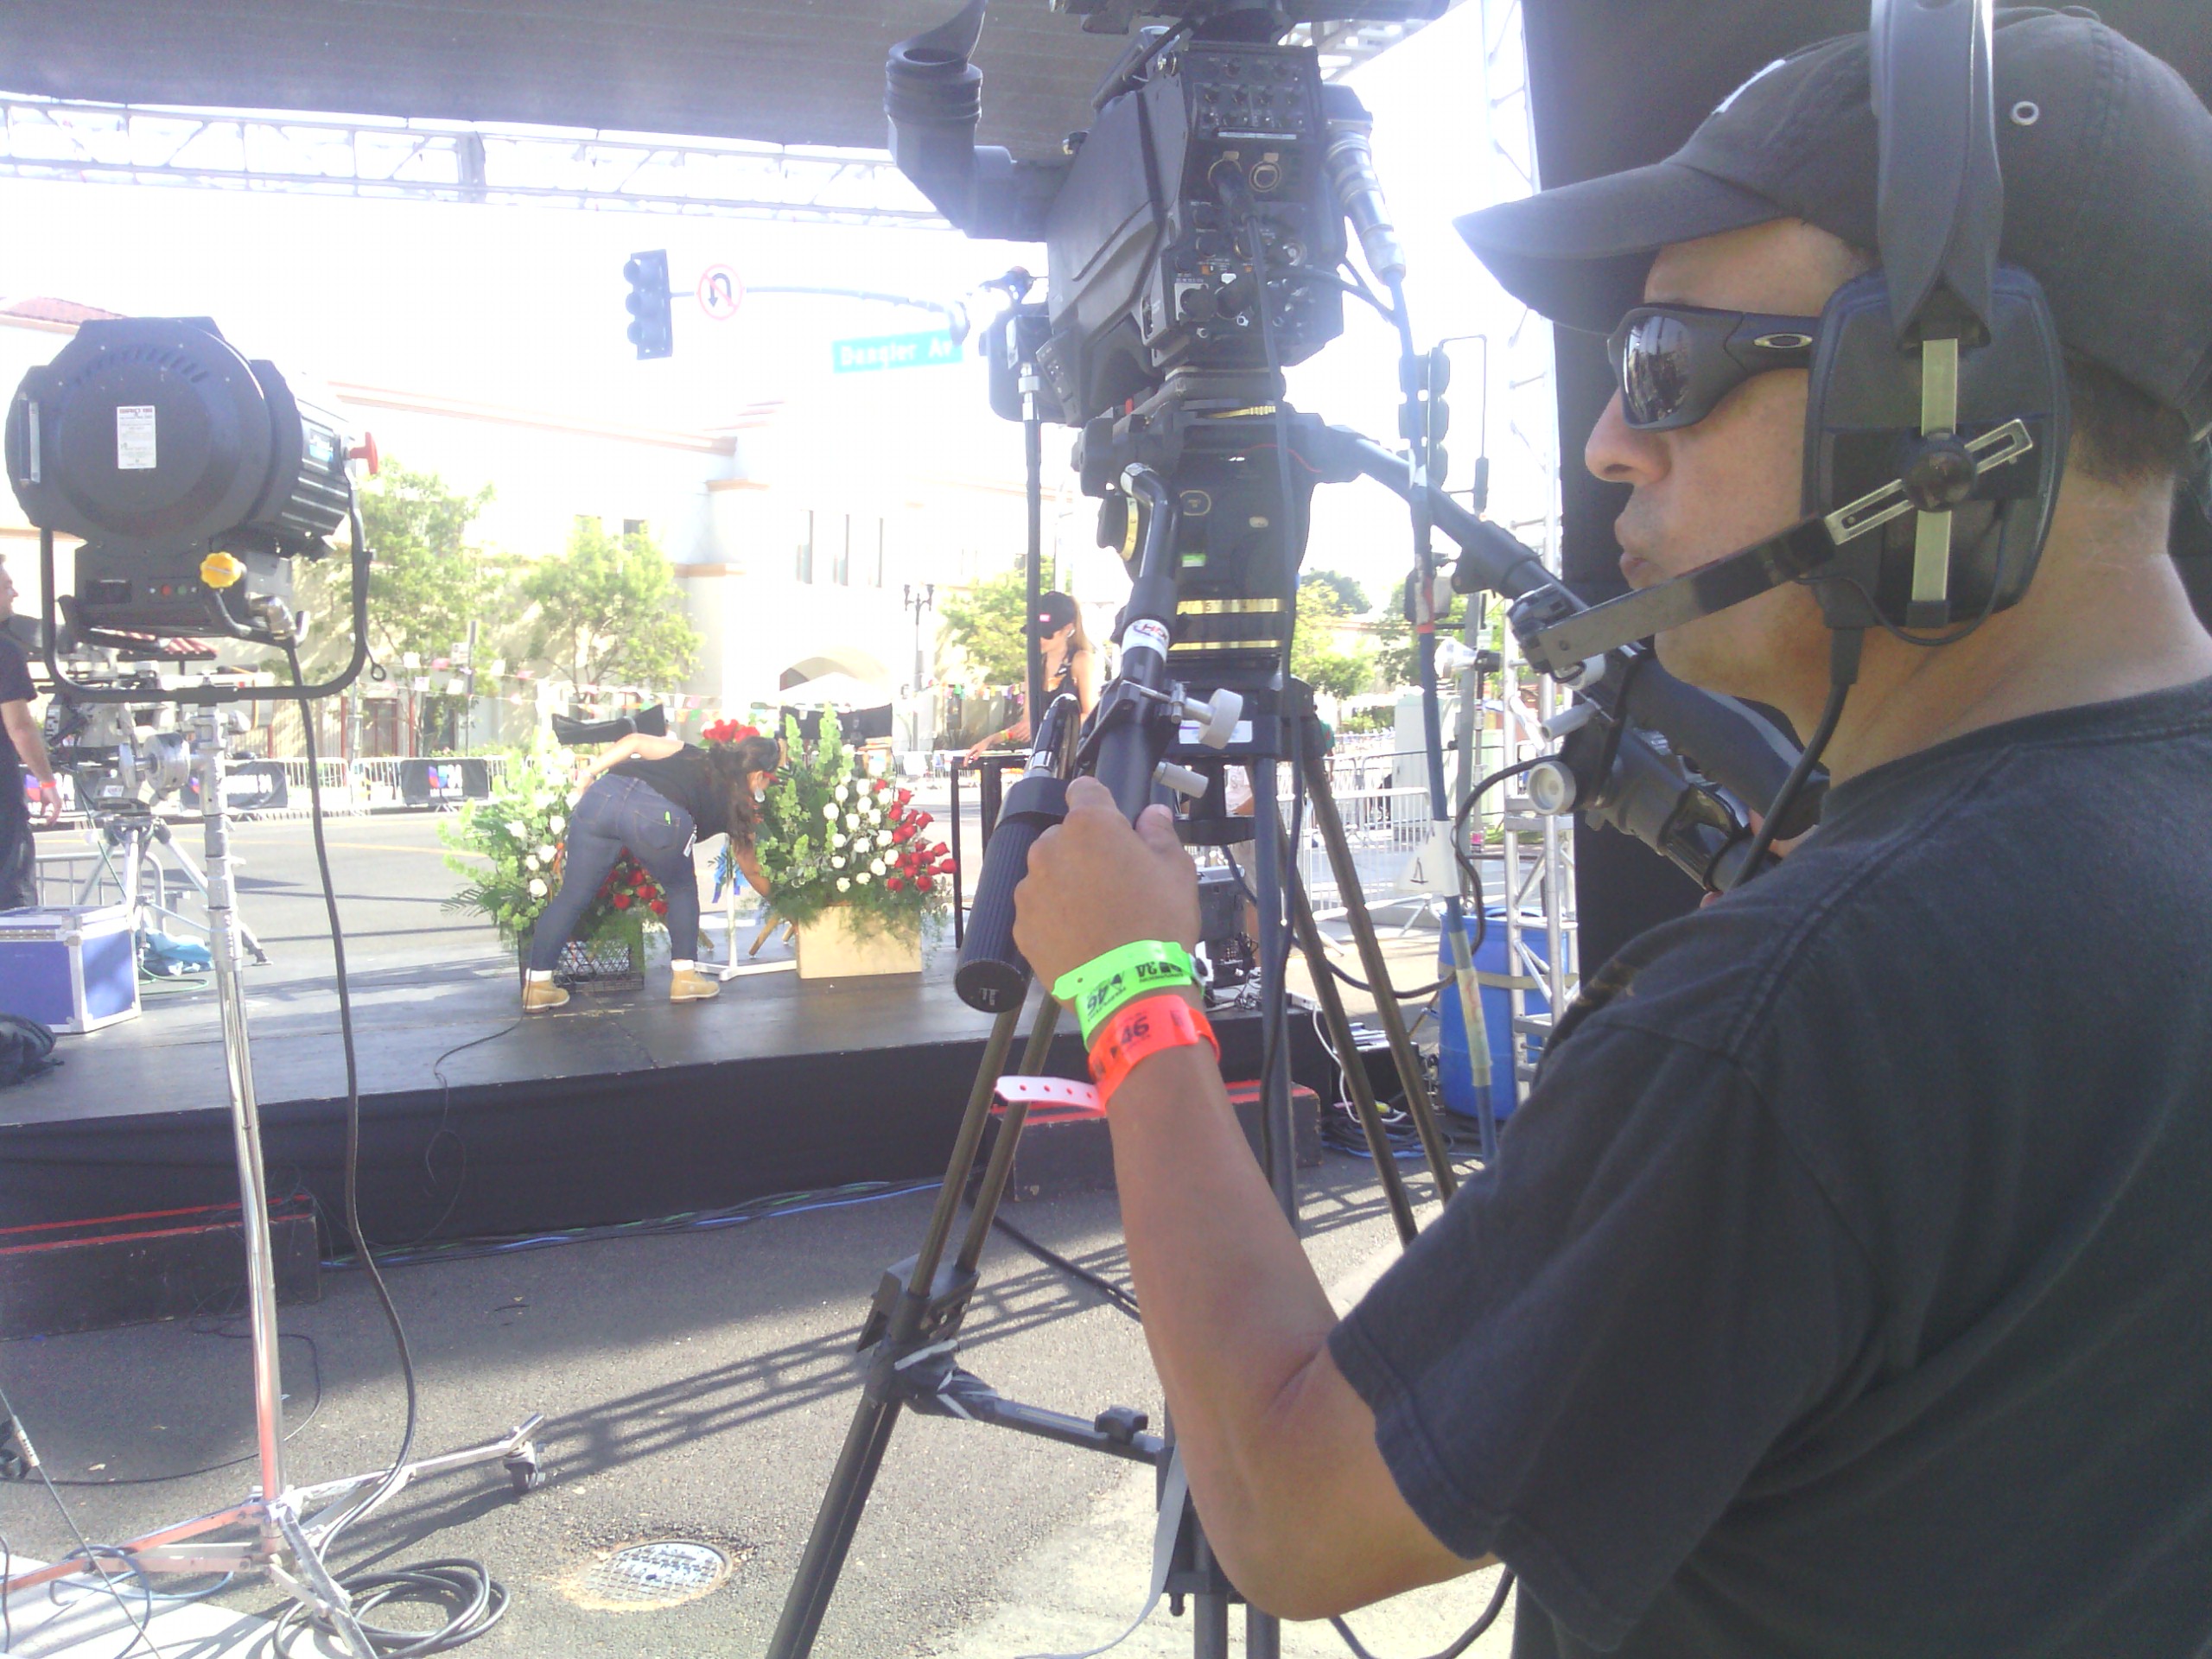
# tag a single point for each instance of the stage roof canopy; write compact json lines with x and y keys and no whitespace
{"x":782,"y":71}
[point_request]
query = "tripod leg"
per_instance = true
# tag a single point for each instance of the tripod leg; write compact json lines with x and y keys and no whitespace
{"x":1278,"y":1139}
{"x":1340,"y":1038}
{"x":862,"y":1455}
{"x":1331,"y":825}
{"x":1000,"y":1169}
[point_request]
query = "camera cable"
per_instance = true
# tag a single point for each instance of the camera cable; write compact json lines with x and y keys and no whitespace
{"x":1119,"y":1296}
{"x":1843,"y":673}
{"x":1466,"y":1639}
{"x":474,"y":1602}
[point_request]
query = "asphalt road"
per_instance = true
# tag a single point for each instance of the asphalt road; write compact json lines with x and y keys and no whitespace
{"x":697,"y":1387}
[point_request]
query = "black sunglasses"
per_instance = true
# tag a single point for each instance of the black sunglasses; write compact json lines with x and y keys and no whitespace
{"x":1674,"y":363}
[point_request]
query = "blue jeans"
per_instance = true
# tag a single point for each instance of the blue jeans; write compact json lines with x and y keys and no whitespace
{"x":615,"y":813}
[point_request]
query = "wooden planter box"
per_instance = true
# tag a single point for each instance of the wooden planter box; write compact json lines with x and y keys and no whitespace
{"x":840,"y":944}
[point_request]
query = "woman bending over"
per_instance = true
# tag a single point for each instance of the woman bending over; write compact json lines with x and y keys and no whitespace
{"x":655,"y":796}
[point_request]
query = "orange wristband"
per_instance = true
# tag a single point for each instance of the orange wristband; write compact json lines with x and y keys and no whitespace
{"x":1138,"y":1030}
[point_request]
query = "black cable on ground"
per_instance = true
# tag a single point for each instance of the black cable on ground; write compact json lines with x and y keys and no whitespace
{"x":474,"y":1601}
{"x":691,"y":1221}
{"x":314,"y":1355}
{"x":1467,"y":1637}
{"x":85,"y":1548}
{"x":1121,"y":1297}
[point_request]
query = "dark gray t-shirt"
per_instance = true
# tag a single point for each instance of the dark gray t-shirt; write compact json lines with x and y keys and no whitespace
{"x":1844,"y":1285}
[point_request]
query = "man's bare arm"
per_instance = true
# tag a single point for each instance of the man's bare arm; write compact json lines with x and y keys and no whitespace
{"x":1280,"y":1451}
{"x":30,"y":747}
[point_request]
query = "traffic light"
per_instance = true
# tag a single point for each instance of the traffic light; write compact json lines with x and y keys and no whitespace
{"x":1425,"y":414}
{"x":652,"y":330}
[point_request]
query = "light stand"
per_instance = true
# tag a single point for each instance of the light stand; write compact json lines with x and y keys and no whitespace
{"x":287,"y":1527}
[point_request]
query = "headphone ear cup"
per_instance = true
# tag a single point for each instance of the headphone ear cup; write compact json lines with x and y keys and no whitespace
{"x":1862,"y":418}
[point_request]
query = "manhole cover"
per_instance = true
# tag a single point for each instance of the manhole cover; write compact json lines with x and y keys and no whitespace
{"x":645,"y":1576}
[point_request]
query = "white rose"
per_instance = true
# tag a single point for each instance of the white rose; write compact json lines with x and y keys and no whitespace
{"x":861,"y":878}
{"x":884,"y":839}
{"x":844,"y":883}
{"x":555,"y":826}
{"x":515,"y":827}
{"x":829,"y":811}
{"x":875,"y":815}
{"x":530,"y":861}
{"x":538,"y":889}
{"x":838,"y":863}
{"x":844,"y":791}
{"x":549,"y":852}
{"x":852,"y":820}
{"x":877,"y":867}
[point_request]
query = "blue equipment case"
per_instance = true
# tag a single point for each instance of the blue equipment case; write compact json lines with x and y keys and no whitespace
{"x":72,"y":970}
{"x":1492,"y":970}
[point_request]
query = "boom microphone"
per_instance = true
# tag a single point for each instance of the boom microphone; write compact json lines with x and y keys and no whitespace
{"x":1350,"y":164}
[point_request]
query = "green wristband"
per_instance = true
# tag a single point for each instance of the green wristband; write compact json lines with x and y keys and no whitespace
{"x":1122,"y":974}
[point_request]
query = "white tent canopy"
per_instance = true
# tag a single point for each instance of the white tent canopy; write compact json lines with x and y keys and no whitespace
{"x":835,"y":691}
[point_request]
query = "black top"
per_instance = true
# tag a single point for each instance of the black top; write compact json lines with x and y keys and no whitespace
{"x":15,"y":687}
{"x":683,"y":780}
{"x":1844,"y":1285}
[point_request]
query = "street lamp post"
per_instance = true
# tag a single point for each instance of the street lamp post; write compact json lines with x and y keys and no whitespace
{"x":920,"y":598}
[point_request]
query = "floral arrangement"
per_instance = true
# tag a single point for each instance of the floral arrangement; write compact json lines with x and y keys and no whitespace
{"x":727,"y":731}
{"x":832,"y":835}
{"x":520,"y":831}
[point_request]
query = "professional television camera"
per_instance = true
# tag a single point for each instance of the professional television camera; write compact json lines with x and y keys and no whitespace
{"x":118,"y":754}
{"x":1193,"y":237}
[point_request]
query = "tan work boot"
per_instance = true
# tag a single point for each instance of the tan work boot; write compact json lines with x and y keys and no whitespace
{"x":690,"y":986}
{"x":539,"y":995}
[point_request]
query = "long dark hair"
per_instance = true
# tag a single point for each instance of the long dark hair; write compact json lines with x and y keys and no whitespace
{"x":732,"y":765}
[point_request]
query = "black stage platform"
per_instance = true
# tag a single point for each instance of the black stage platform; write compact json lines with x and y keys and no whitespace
{"x":474,"y":1121}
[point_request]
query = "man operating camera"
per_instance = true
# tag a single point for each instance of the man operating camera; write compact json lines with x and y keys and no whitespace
{"x":1842,"y":1286}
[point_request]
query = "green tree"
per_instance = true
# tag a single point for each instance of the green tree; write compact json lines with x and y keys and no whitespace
{"x":430,"y":579}
{"x":1350,"y":595}
{"x":1315,"y":656}
{"x":608,"y":610}
{"x":989,"y":623}
{"x":1397,"y":662}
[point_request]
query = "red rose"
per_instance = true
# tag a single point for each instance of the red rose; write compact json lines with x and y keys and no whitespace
{"x":659,"y":906}
{"x":621,"y":901}
{"x":905,"y":832}
{"x":921,"y":820}
{"x":923,"y":884}
{"x":904,"y":795}
{"x":892,"y":883}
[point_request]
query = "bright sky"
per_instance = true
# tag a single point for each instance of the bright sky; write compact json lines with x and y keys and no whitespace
{"x":524,"y":305}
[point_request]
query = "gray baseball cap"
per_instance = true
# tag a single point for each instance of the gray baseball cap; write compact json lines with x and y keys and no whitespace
{"x":2107,"y":156}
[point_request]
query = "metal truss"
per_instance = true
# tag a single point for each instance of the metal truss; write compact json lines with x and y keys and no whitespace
{"x":459,"y":160}
{"x":1538,"y":851}
{"x":443,"y":161}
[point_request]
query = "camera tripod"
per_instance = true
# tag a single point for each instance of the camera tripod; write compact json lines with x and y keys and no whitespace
{"x":913,"y":1326}
{"x":287,"y":1528}
{"x":132,"y":840}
